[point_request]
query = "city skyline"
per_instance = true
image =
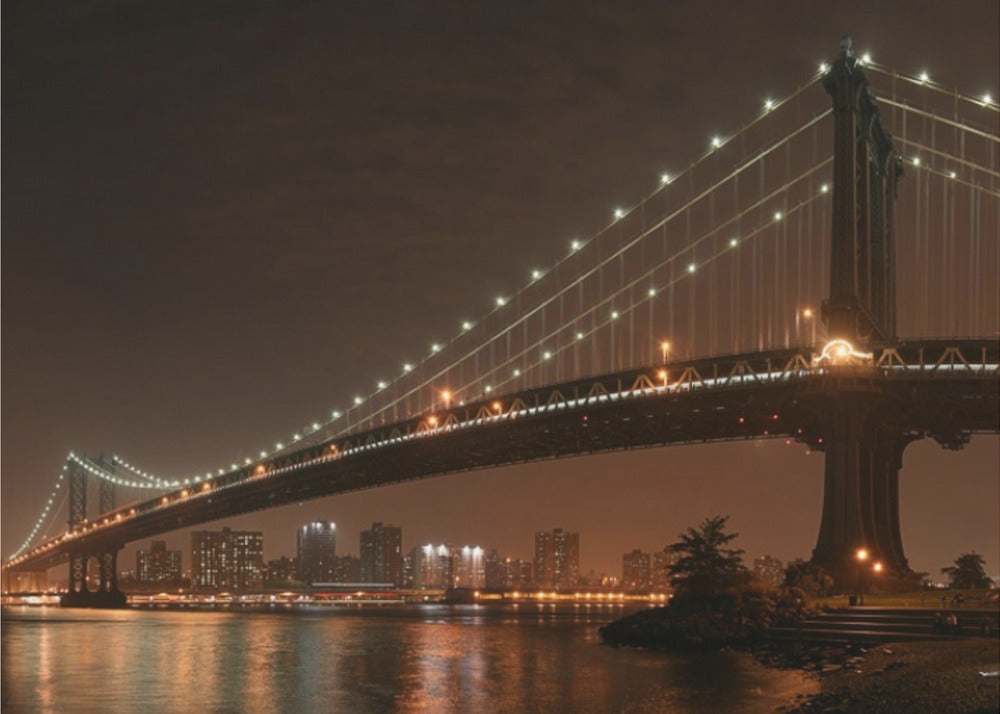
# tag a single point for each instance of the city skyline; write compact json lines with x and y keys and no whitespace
{"x":185,"y":308}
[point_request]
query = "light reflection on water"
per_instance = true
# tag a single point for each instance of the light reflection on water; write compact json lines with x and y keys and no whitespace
{"x":432,"y":658}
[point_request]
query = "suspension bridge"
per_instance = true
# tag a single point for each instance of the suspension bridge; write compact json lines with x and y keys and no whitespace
{"x":828,"y":274}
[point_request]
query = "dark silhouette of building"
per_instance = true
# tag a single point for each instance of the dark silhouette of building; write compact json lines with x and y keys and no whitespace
{"x":348,"y":569}
{"x":317,"y":552}
{"x":382,"y":554}
{"x":660,"y":570}
{"x":636,"y":570}
{"x":158,"y":565}
{"x":281,"y":570}
{"x":227,"y":560}
{"x":557,"y":559}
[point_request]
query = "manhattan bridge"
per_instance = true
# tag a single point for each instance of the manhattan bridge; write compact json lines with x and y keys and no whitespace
{"x":828,"y":275}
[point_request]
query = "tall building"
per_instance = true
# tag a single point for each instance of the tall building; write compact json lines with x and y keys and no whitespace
{"x":769,"y":569}
{"x":660,"y":570}
{"x":544,"y":560}
{"x":635,"y":570}
{"x":470,"y":570}
{"x":158,"y":565}
{"x":517,"y":574}
{"x":557,"y":559}
{"x":382,"y":554}
{"x":227,"y":560}
{"x":317,"y":552}
{"x":434,"y":567}
{"x":495,"y":570}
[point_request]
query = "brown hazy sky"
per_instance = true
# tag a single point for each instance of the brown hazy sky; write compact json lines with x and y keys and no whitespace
{"x":219,"y":218}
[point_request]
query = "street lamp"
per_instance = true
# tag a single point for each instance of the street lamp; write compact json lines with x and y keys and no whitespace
{"x":876,"y":568}
{"x":665,"y":346}
{"x":862,"y":556}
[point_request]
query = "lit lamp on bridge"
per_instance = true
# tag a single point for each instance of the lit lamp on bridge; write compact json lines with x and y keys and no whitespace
{"x":665,"y":347}
{"x":662,"y":374}
{"x":876,"y":569}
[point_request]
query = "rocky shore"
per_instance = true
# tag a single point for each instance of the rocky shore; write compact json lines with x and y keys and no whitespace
{"x":957,"y":676}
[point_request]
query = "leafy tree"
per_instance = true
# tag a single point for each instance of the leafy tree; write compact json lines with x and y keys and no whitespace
{"x":808,"y":577}
{"x":704,"y":564}
{"x":968,"y":572}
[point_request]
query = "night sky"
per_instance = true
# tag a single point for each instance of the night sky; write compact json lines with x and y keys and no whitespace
{"x":219,"y":221}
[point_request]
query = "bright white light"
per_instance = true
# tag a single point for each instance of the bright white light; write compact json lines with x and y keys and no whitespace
{"x":579,"y":335}
{"x":952,"y":174}
{"x":768,"y":105}
{"x":614,"y":314}
{"x":382,"y":385}
{"x":665,"y":179}
{"x":263,"y":454}
{"x":295,"y":437}
{"x":651,"y":292}
{"x":546,"y":355}
{"x":986,"y":99}
{"x":692,"y":267}
{"x":487,"y":389}
{"x":517,"y":373}
{"x":435,"y":347}
{"x":866,"y":58}
{"x":501,"y":301}
{"x":824,"y":68}
{"x":777,"y":215}
{"x":619,"y":212}
{"x":916,"y":161}
{"x":279,"y":446}
{"x":924,"y":78}
{"x":574,"y":245}
{"x":536,"y":274}
{"x":407,"y":367}
{"x":358,"y":400}
{"x":466,"y":325}
{"x":336,"y":415}
{"x":716,"y":142}
{"x":315,"y":426}
{"x":733,"y":242}
{"x":824,"y":188}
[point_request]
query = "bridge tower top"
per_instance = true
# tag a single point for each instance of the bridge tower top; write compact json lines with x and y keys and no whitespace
{"x":866,"y":170}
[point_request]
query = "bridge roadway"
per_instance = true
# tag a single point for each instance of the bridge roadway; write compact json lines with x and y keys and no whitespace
{"x":942,"y":389}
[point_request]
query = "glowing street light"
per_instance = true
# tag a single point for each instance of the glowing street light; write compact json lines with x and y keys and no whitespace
{"x":665,"y":346}
{"x":662,"y":374}
{"x":446,"y":397}
{"x":665,"y":179}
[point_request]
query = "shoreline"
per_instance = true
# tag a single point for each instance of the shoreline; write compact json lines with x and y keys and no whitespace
{"x":959,"y":676}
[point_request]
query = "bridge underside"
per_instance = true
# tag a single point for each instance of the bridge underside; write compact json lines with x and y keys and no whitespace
{"x":861,"y":417}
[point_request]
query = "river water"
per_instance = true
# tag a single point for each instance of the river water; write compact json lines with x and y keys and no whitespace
{"x":420,"y":658}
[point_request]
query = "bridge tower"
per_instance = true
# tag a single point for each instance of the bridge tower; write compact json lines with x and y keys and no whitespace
{"x":79,"y":593}
{"x":863,"y":451}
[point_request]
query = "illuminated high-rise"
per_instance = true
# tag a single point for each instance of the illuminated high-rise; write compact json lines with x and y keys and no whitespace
{"x":158,"y":565}
{"x":317,"y":552}
{"x":557,"y":559}
{"x":227,"y":560}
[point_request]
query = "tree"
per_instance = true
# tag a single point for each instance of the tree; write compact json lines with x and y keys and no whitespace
{"x":968,"y":572}
{"x":808,"y":577}
{"x":704,"y":564}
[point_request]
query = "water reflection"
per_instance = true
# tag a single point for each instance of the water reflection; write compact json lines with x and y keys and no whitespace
{"x":421,"y":658}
